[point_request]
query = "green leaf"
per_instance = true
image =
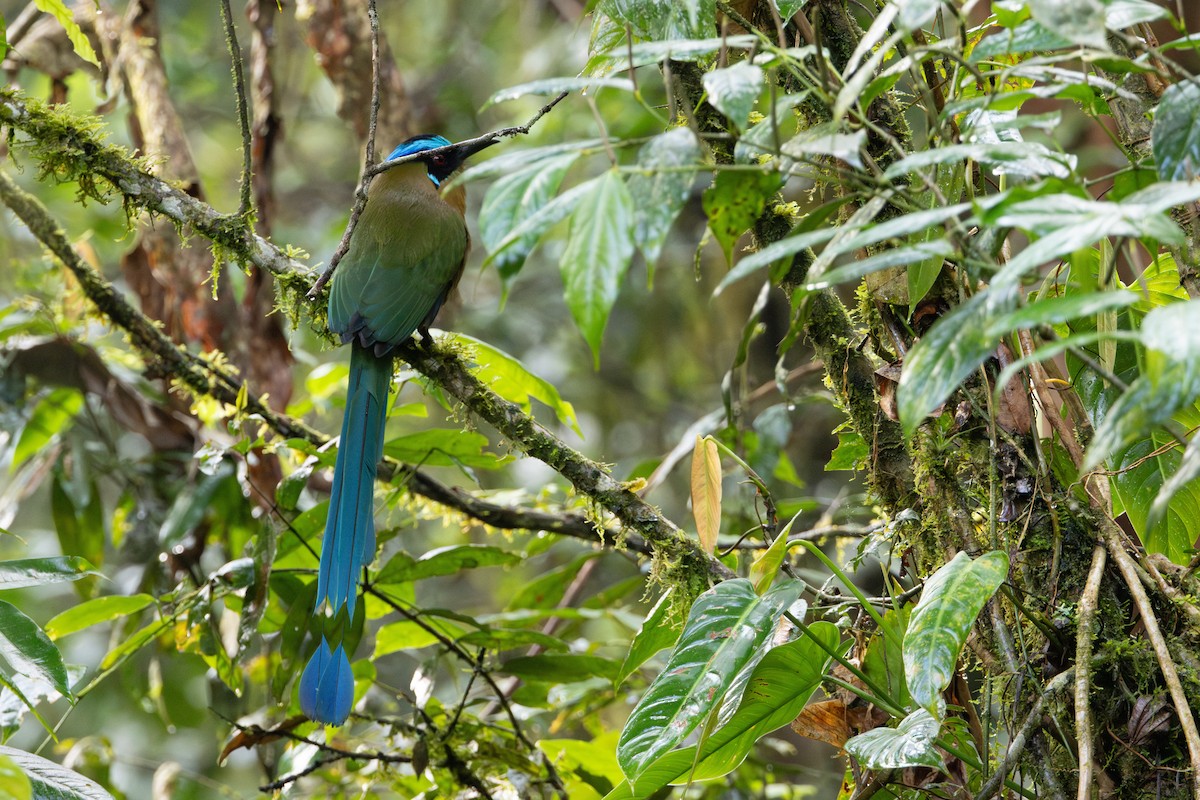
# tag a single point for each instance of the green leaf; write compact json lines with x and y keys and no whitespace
{"x":444,"y":447}
{"x":29,"y":651}
{"x":851,"y":452}
{"x":500,"y":639}
{"x":513,"y":381}
{"x":706,"y":491}
{"x":548,"y":86}
{"x":3,"y":37}
{"x":94,"y":612}
{"x":14,"y":783}
{"x":734,"y":91}
{"x":49,"y":417}
{"x":726,"y":626}
{"x":58,"y":9}
{"x":513,"y":199}
{"x":950,"y":601}
{"x":825,"y":139}
{"x":662,"y":186}
{"x":541,"y":220}
{"x":25,"y":572}
{"x":1187,"y":471}
{"x":652,"y":52}
{"x":547,"y":590}
{"x":788,"y":8}
{"x":766,"y":565}
{"x":1081,"y":21}
{"x":451,"y":560}
{"x":778,"y":688}
{"x":562,"y":667}
{"x":909,"y":744}
{"x":409,"y":635}
{"x":659,"y":630}
{"x":960,"y":341}
{"x":52,"y":781}
{"x":734,"y":201}
{"x":1020,"y":158}
{"x":884,"y":659}
{"x":597,"y":256}
{"x":916,"y":14}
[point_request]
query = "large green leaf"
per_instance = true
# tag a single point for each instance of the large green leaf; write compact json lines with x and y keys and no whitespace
{"x":662,"y":186}
{"x":659,"y":630}
{"x":725,"y":626}
{"x":52,"y":781}
{"x":734,"y":201}
{"x":549,"y":86}
{"x":909,"y":744}
{"x":778,"y":688}
{"x":562,"y":667}
{"x":597,"y":256}
{"x":451,"y":560}
{"x":1175,"y":137}
{"x":950,"y":601}
{"x":66,"y":17}
{"x":49,"y":417}
{"x":25,"y":572}
{"x":960,"y":341}
{"x":29,"y":651}
{"x":1081,"y":21}
{"x":513,"y":199}
{"x":513,"y":381}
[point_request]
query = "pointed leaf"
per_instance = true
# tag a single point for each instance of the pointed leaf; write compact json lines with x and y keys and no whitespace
{"x":909,"y":744}
{"x":706,"y":492}
{"x":29,"y":651}
{"x":734,"y":90}
{"x":1081,"y":21}
{"x":444,"y":447}
{"x":510,"y":201}
{"x":725,"y":627}
{"x":659,"y":630}
{"x":548,"y":86}
{"x":766,"y":565}
{"x":95,"y":612}
{"x":960,"y":341}
{"x":661,"y":190}
{"x":735,"y":199}
{"x":25,"y":572}
{"x":597,"y":256}
{"x":826,"y":140}
{"x":66,"y":17}
{"x":778,"y":688}
{"x":1175,"y":137}
{"x":451,"y":560}
{"x":50,"y":416}
{"x":950,"y":601}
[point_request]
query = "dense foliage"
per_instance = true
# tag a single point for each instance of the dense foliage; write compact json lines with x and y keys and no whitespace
{"x":820,"y":410}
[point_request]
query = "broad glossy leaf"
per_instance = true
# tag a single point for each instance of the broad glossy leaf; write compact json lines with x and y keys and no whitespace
{"x":1023,"y":159}
{"x":1081,"y":21}
{"x":960,"y":341}
{"x":950,"y":601}
{"x":706,"y":491}
{"x":734,"y":91}
{"x":28,"y":650}
{"x":548,"y":86}
{"x":826,"y":140}
{"x":725,"y":627}
{"x":52,"y":781}
{"x":49,"y":417}
{"x":1176,"y":133}
{"x":597,"y":256}
{"x":518,"y":160}
{"x":25,"y":572}
{"x":778,"y":688}
{"x":444,"y":447}
{"x":512,"y":380}
{"x":1187,"y":471}
{"x":884,"y":659}
{"x":94,"y":612}
{"x":734,"y":201}
{"x":660,"y":630}
{"x":511,"y":200}
{"x":451,"y":560}
{"x":909,"y":744}
{"x":662,"y":189}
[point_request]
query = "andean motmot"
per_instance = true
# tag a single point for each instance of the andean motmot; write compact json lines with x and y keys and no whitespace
{"x":406,"y":255}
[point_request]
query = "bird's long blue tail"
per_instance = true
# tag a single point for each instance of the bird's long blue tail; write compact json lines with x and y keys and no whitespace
{"x":326,"y":687}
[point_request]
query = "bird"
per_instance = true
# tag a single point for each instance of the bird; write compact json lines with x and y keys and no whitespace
{"x":406,"y":255}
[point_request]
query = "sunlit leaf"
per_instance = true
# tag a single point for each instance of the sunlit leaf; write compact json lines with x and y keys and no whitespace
{"x":94,"y":612}
{"x":734,"y":91}
{"x":726,"y":625}
{"x":916,"y":14}
{"x":597,"y":256}
{"x":49,"y":418}
{"x":21,"y":573}
{"x":734,"y":201}
{"x":909,"y":744}
{"x":766,"y":565}
{"x":826,"y":140}
{"x":66,"y":17}
{"x":1081,"y":21}
{"x":444,"y":447}
{"x":950,"y":601}
{"x":52,"y":781}
{"x":14,"y":783}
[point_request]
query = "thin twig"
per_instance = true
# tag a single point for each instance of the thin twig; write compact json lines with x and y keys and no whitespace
{"x":239,"y":87}
{"x":1017,"y":745}
{"x":1085,"y":637}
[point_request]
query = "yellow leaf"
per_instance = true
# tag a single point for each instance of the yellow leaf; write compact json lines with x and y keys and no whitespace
{"x":706,"y":491}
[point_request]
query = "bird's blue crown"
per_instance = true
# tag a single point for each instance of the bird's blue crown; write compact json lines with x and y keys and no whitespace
{"x":418,"y":144}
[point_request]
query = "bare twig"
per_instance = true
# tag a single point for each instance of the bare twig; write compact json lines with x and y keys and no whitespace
{"x":239,"y":87}
{"x":1085,"y":637}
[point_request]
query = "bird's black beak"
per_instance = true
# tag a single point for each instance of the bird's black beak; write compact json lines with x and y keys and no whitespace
{"x":465,"y":150}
